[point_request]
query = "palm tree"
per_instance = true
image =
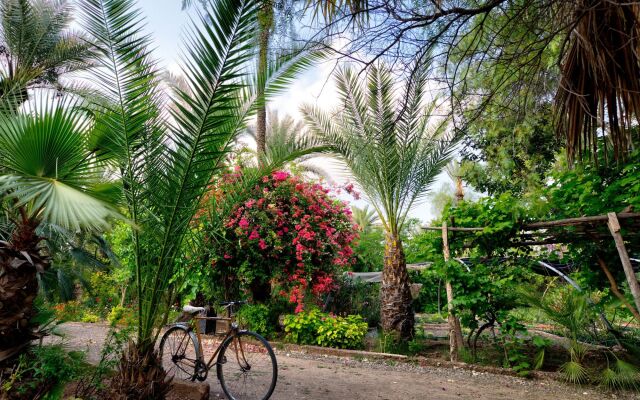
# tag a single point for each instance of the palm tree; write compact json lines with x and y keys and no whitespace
{"x":394,"y":152}
{"x":36,"y":47}
{"x":366,"y":218}
{"x":51,"y":175}
{"x":166,"y":164}
{"x":288,"y":141}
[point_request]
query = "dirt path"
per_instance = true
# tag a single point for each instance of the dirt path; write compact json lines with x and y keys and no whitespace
{"x":311,"y":377}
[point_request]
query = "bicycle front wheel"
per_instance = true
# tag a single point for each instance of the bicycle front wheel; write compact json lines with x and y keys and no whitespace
{"x":247,"y":367}
{"x":180,"y":353}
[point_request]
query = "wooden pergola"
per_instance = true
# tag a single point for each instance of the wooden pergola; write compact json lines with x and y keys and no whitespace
{"x":563,"y":231}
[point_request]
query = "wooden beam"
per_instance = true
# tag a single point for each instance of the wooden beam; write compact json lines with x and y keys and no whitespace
{"x":634,"y":286}
{"x":546,"y":224}
{"x":456,"y":342}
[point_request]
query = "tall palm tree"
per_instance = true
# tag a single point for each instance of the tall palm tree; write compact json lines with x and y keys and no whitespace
{"x":36,"y":47}
{"x":166,"y":164}
{"x":51,"y":175}
{"x":394,"y":152}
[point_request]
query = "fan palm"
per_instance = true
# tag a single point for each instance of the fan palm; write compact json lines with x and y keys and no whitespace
{"x":394,"y":152}
{"x":50,"y":175}
{"x":167,"y":163}
{"x":36,"y":47}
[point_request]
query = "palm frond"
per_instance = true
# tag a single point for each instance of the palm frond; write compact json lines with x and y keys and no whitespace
{"x":393,"y":152}
{"x":50,"y":170}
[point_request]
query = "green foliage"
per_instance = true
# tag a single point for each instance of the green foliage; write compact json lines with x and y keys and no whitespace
{"x":120,"y":315}
{"x":315,"y":327}
{"x":512,"y":154}
{"x":369,"y":250}
{"x":257,"y":318}
{"x":41,"y":370}
{"x":355,"y":297}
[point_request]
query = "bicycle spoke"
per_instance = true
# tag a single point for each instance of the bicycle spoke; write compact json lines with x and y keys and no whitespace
{"x":249,"y":371}
{"x":179,"y":357}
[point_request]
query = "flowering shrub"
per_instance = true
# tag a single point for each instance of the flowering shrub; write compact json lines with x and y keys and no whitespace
{"x":289,"y":238}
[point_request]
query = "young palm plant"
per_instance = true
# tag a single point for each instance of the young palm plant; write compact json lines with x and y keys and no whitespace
{"x":394,"y":152}
{"x":166,"y":161}
{"x":36,"y":48}
{"x":50,"y":175}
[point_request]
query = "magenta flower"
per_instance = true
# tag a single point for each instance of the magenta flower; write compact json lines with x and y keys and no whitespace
{"x":244,"y":223}
{"x":280,"y":176}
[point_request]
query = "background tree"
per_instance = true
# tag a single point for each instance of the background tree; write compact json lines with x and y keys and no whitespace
{"x":287,"y":141}
{"x":36,"y":48}
{"x":505,"y":41}
{"x":394,"y":152}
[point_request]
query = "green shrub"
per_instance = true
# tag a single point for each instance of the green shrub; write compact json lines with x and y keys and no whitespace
{"x":255,"y":318}
{"x":121,"y":316}
{"x":353,"y":297}
{"x":89,"y":317}
{"x":42,"y":370}
{"x":318,"y":328}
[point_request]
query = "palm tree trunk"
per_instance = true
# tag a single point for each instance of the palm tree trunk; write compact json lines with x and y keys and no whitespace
{"x":396,"y":302}
{"x":20,"y":261}
{"x":265,"y":18}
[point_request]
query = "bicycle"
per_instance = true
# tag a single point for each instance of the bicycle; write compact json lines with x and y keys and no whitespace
{"x":245,"y":362}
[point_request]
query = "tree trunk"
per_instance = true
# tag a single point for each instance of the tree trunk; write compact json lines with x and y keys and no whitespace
{"x":140,"y":375}
{"x":265,"y":19}
{"x":20,"y":260}
{"x":396,"y":308}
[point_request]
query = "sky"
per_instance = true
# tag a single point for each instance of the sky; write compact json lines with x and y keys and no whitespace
{"x":167,"y":24}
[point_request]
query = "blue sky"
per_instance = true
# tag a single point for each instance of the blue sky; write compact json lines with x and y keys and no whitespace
{"x":167,"y":24}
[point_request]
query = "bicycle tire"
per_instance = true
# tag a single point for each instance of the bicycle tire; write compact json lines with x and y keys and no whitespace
{"x":183,"y":361}
{"x":257,"y":353}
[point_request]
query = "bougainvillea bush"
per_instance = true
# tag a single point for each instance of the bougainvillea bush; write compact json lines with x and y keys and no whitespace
{"x":288,"y":238}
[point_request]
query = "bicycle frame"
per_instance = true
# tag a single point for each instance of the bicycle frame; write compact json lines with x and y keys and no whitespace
{"x":233,"y":330}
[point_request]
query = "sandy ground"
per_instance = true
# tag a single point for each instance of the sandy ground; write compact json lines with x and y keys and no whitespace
{"x":304,"y":376}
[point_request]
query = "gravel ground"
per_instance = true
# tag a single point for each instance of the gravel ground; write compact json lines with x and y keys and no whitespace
{"x":304,"y":376}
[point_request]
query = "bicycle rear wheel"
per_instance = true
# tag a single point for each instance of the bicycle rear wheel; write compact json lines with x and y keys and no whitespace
{"x":247,"y":367}
{"x":180,"y":353}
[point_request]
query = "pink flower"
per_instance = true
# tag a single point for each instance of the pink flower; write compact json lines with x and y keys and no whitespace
{"x":262,"y":244}
{"x":244,"y":223}
{"x":254,"y":235}
{"x":280,"y":176}
{"x":250,"y":203}
{"x":227,"y":256}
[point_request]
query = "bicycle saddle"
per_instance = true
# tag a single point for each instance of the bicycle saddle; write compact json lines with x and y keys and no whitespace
{"x":192,"y":309}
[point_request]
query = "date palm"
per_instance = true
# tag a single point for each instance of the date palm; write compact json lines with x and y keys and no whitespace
{"x":286,"y":141}
{"x":36,"y":47}
{"x":394,"y":151}
{"x":168,"y":152}
{"x":50,"y":175}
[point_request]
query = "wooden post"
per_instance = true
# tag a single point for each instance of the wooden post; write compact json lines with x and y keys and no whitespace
{"x":634,"y":286}
{"x":455,"y":330}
